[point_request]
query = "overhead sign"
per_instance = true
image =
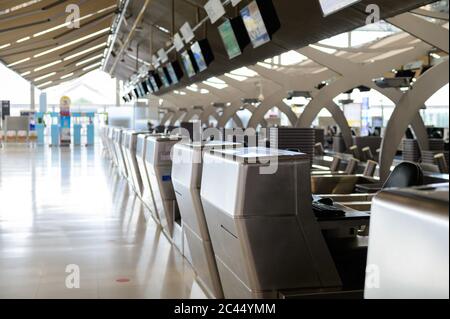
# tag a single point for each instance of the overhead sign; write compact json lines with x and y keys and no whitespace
{"x":178,"y":42}
{"x":333,"y":6}
{"x":6,"y":109}
{"x":163,"y":55}
{"x":187,"y":32}
{"x":215,"y":10}
{"x":65,"y":137}
{"x":155,"y":61}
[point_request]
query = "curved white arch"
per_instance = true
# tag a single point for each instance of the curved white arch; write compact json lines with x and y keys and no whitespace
{"x":230,"y":112}
{"x":273,"y":101}
{"x":177,"y":117}
{"x":410,"y":103}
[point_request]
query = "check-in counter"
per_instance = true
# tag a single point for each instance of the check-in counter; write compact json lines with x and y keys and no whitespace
{"x":186,"y":179}
{"x":265,"y":236}
{"x":128,"y":165}
{"x":110,"y":143}
{"x":341,"y":184}
{"x":131,"y":138}
{"x":159,"y":168}
{"x":147,"y":192}
{"x":408,"y":255}
{"x":118,"y":140}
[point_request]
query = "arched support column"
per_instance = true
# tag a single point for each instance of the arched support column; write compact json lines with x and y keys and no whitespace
{"x":276,"y":100}
{"x":353,"y":75}
{"x":193,"y":112}
{"x":420,"y":130}
{"x":177,"y":117}
{"x":231,"y":113}
{"x":429,"y":32}
{"x":167,"y":117}
{"x":209,"y":111}
{"x":408,"y":107}
{"x":418,"y":126}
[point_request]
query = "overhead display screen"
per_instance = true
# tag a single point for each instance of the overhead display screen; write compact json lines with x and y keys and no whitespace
{"x":187,"y":63}
{"x":333,"y":6}
{"x":174,"y":71}
{"x":162,"y":75}
{"x":154,"y":84}
{"x":149,"y":85}
{"x":145,"y":87}
{"x":141,"y":90}
{"x":229,"y":39}
{"x":255,"y":25}
{"x":198,"y":56}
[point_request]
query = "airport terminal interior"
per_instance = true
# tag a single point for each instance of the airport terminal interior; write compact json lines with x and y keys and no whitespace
{"x":224,"y":149}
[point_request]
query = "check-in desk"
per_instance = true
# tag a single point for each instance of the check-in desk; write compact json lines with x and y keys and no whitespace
{"x":128,"y":165}
{"x":118,"y":140}
{"x":186,"y":179}
{"x":266,"y":239}
{"x":159,"y":168}
{"x":408,"y":255}
{"x":131,"y":138}
{"x":147,"y":192}
{"x":110,"y":144}
{"x":342,"y":184}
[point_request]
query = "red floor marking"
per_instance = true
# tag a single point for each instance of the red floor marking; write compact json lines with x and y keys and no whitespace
{"x":123,"y":280}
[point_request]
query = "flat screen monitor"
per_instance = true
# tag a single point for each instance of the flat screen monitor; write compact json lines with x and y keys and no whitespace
{"x":149,"y":85}
{"x":155,"y":80}
{"x":261,"y":21}
{"x":203,"y":55}
{"x":175,"y":71}
{"x":141,"y":90}
{"x":333,"y":6}
{"x":136,"y":93}
{"x":163,"y":75}
{"x":145,"y":87}
{"x":189,"y":66}
{"x":234,"y":36}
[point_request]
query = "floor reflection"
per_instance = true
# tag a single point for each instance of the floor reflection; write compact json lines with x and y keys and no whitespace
{"x":68,"y":206}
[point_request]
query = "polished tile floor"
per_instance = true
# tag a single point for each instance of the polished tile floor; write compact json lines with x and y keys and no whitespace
{"x":61,"y":207}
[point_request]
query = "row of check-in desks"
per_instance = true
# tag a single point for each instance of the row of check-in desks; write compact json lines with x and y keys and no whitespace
{"x":248,"y":229}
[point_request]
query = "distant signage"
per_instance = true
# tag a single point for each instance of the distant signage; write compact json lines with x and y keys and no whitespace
{"x":163,"y":55}
{"x":6,"y":109}
{"x":332,"y":6}
{"x":365,"y":117}
{"x":65,"y":121}
{"x":155,"y":61}
{"x":178,"y":42}
{"x":187,"y":32}
{"x":215,"y":10}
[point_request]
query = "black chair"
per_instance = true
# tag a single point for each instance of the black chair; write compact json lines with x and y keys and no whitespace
{"x":406,"y":174}
{"x":352,"y":166}
{"x":370,"y":169}
{"x":368,"y":155}
{"x":355,"y":151}
{"x":335,"y":164}
{"x":441,"y":163}
{"x":319,"y":149}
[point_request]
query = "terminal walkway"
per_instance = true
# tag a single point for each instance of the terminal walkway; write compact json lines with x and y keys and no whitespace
{"x":61,"y":207}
